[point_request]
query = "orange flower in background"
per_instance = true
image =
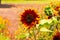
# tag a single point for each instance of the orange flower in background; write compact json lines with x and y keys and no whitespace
{"x":6,"y":32}
{"x":3,"y":26}
{"x":57,"y":9}
{"x":29,"y":18}
{"x":7,"y":22}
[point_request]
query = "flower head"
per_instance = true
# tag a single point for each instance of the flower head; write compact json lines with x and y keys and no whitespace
{"x":29,"y":18}
{"x":57,"y":36}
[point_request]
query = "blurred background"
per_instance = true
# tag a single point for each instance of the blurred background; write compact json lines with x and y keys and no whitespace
{"x":25,"y":1}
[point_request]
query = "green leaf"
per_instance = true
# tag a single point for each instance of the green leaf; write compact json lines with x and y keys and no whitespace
{"x":45,"y":22}
{"x":50,"y":33}
{"x":54,"y":20}
{"x":2,"y":37}
{"x":21,"y":36}
{"x":58,"y":18}
{"x":2,"y":26}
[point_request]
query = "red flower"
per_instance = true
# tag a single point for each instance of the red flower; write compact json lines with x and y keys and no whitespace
{"x":29,"y":18}
{"x":57,"y":36}
{"x":49,"y":17}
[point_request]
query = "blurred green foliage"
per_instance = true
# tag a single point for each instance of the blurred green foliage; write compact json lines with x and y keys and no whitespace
{"x":2,"y":37}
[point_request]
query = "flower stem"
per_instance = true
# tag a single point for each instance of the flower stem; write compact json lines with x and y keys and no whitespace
{"x":57,"y":26}
{"x":34,"y":34}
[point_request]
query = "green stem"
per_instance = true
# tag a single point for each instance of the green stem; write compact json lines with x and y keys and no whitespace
{"x":29,"y":34}
{"x":57,"y":26}
{"x":34,"y":34}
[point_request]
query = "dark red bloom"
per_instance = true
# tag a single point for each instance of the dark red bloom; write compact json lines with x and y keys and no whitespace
{"x":29,"y":18}
{"x":57,"y":36}
{"x":49,"y":17}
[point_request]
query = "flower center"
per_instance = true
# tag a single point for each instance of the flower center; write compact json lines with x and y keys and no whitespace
{"x":29,"y":18}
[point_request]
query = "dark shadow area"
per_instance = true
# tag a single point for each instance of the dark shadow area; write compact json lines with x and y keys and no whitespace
{"x":6,"y":6}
